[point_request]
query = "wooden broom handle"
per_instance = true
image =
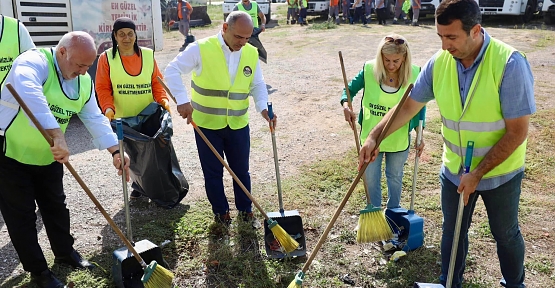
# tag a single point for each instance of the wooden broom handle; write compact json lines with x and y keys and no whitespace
{"x":201,"y":134}
{"x":355,"y":182}
{"x":76,"y":176}
{"x":355,"y":132}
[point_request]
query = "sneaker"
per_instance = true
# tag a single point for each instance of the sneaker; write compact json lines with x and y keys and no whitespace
{"x":395,"y":21}
{"x":415,"y":24}
{"x":249,"y":217}
{"x":224,"y":219}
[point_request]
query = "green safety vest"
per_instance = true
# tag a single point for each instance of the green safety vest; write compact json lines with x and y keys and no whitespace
{"x":305,"y":3}
{"x":253,"y":12}
{"x":24,"y":143}
{"x":376,"y":103}
{"x":217,"y":103}
{"x":294,"y":5}
{"x":9,"y":45}
{"x":480,"y":119}
{"x":132,"y":93}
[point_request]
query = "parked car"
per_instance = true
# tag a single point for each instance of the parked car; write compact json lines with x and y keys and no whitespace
{"x":264,"y":5}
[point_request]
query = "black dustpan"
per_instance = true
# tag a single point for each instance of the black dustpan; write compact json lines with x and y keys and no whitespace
{"x":126,"y":269}
{"x":289,"y":220}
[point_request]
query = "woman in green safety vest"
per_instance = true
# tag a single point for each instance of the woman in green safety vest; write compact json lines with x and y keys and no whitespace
{"x":385,"y":80}
{"x":126,"y":77}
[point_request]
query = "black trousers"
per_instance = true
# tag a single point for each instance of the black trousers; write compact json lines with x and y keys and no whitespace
{"x":21,"y":186}
{"x":381,"y":14}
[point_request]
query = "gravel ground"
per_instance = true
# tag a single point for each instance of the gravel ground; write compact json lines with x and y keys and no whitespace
{"x":304,"y":81}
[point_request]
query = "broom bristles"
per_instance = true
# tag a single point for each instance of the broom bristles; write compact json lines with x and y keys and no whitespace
{"x":298,"y":281}
{"x":156,"y":276}
{"x":372,"y":226}
{"x":285,"y":240}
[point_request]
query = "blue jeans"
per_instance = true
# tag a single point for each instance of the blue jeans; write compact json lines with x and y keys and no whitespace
{"x":394,"y":162}
{"x":502,"y":208}
{"x":235,"y":145}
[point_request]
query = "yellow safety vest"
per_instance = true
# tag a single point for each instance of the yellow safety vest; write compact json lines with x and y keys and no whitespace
{"x":217,"y":103}
{"x":9,"y":45}
{"x":24,"y":143}
{"x":376,"y":103}
{"x":253,"y":12}
{"x":132,"y":93}
{"x":480,"y":119}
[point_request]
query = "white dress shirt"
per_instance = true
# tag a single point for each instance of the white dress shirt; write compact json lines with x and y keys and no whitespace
{"x":25,"y":41}
{"x":29,"y":72}
{"x":189,"y":60}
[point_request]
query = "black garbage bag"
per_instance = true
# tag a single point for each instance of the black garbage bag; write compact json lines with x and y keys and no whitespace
{"x":154,"y":167}
{"x":255,"y":41}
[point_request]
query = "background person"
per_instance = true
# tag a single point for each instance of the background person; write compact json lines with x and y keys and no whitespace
{"x":472,"y":71}
{"x":184,"y":10}
{"x":30,"y":170}
{"x":385,"y":80}
{"x":252,"y":8}
{"x":14,"y":40}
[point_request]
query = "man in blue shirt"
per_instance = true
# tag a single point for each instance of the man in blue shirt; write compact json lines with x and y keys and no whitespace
{"x":466,"y":57}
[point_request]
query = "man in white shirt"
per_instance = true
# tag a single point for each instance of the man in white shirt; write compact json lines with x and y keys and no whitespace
{"x":225,"y":71}
{"x":55,"y":85}
{"x":14,"y":40}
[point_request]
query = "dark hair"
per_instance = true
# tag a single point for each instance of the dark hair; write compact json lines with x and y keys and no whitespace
{"x":123,"y":22}
{"x":467,"y":11}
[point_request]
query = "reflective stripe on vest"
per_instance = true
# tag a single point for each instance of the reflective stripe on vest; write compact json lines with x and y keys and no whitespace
{"x":253,"y":12}
{"x":376,"y":103}
{"x":471,"y":122}
{"x":24,"y":142}
{"x":9,"y":45}
{"x":132,"y":93}
{"x":216,"y":102}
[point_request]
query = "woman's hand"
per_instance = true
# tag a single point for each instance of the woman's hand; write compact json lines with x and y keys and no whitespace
{"x":350,"y":116}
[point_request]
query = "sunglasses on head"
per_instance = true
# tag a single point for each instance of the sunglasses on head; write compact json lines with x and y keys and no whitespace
{"x":396,"y":41}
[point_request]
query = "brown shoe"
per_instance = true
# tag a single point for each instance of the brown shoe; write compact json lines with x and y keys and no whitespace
{"x":224,"y":219}
{"x":248,"y":217}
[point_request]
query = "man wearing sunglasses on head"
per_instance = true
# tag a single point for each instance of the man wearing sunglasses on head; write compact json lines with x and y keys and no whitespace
{"x":473,"y":71}
{"x":384,"y":80}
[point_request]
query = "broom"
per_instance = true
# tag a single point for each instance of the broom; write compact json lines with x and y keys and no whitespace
{"x":369,"y":206}
{"x":298,"y":281}
{"x":155,"y":276}
{"x":285,"y":240}
{"x":372,"y":225}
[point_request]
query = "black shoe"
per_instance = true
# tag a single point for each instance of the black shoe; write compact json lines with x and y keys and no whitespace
{"x":74,"y":260}
{"x":136,"y":194}
{"x":46,"y":279}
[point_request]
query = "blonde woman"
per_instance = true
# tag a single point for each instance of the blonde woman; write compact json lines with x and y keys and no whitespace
{"x":385,"y":80}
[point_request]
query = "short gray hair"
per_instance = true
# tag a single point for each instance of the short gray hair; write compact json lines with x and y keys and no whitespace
{"x":236,"y":15}
{"x":76,"y":38}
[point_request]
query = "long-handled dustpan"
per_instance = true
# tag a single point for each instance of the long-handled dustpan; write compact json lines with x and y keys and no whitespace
{"x":289,"y":220}
{"x":408,"y":226}
{"x":126,"y":270}
{"x":457,"y":232}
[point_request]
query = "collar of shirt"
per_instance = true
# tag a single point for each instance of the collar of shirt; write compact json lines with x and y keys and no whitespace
{"x":71,"y":86}
{"x":231,"y":58}
{"x":478,"y":59}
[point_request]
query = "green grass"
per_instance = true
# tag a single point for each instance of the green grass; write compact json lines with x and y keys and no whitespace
{"x":203,"y":252}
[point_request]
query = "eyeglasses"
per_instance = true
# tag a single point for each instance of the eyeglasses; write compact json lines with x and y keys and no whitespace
{"x":396,"y":41}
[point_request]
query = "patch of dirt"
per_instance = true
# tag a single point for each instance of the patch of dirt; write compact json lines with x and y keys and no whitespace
{"x":304,"y":80}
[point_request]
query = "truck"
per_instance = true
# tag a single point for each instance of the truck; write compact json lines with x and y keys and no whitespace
{"x":548,"y":10}
{"x":318,"y":7}
{"x":524,"y":10}
{"x":265,"y":7}
{"x":48,"y":20}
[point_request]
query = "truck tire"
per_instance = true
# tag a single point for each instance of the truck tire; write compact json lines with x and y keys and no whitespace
{"x":269,"y":15}
{"x":549,"y":17}
{"x":528,"y":14}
